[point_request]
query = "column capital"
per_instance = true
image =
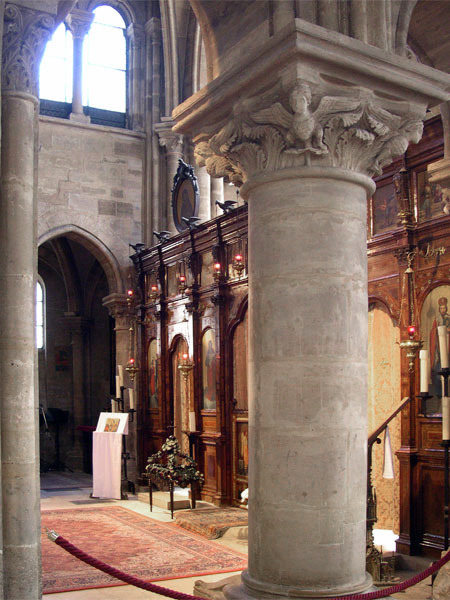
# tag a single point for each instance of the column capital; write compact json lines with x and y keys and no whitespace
{"x":306,"y":126}
{"x":79,"y":22}
{"x":135,"y":33}
{"x":117,"y":305}
{"x":153,"y":27}
{"x":168,"y":139}
{"x":26,"y":31}
{"x":309,"y":98}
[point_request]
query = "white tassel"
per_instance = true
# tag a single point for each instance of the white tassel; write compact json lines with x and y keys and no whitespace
{"x":388,"y":466}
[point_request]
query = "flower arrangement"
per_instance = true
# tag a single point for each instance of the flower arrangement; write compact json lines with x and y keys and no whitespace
{"x":170,"y":464}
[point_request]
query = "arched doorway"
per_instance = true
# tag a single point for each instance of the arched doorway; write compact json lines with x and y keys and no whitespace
{"x":77,"y":357}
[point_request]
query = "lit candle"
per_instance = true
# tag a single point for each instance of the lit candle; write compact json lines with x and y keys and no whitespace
{"x":131,"y":392}
{"x":443,"y":345}
{"x":192,"y":421}
{"x":120,"y":369}
{"x":118,"y":386}
{"x":424,"y":358}
{"x":445,"y":418}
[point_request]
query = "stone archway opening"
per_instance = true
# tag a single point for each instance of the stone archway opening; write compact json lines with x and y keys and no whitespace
{"x":76,"y":362}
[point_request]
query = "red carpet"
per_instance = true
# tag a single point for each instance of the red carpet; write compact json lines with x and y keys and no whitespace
{"x":137,"y":545}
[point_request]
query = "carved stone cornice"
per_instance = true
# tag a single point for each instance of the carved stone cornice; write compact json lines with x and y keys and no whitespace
{"x":25,"y":34}
{"x":79,"y":22}
{"x":351,"y":129}
{"x":168,"y":139}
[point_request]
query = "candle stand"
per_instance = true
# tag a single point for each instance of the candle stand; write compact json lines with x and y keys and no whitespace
{"x":423,"y":397}
{"x":127,"y":486}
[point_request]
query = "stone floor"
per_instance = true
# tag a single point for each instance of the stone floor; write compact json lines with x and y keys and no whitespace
{"x":67,"y":490}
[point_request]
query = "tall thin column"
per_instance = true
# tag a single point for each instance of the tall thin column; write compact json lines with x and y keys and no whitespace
{"x":216,"y":195}
{"x":152,"y":211}
{"x":118,"y":308}
{"x":303,"y":146}
{"x":135,"y":35}
{"x":79,"y":329}
{"x":79,"y":23}
{"x":173,"y":143}
{"x":204,"y":189}
{"x":25,"y":34}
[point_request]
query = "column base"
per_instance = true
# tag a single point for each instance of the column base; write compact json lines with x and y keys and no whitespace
{"x":235,"y":588}
{"x":79,"y":118}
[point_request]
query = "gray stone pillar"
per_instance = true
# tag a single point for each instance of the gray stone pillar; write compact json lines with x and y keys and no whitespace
{"x":135,"y":35}
{"x":307,"y":376}
{"x":303,"y":146}
{"x":173,"y":143}
{"x":204,"y":189}
{"x":152,"y":216}
{"x":118,"y":308}
{"x":25,"y":33}
{"x":79,"y":329}
{"x":216,"y":196}
{"x":79,"y":23}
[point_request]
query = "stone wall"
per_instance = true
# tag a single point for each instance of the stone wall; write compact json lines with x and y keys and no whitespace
{"x":91,"y":177}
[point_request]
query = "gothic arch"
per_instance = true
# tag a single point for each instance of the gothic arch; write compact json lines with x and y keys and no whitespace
{"x":97,"y":248}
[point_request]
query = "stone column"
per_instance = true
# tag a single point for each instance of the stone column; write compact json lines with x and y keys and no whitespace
{"x":216,"y":196}
{"x":303,"y":146}
{"x":152,"y":208}
{"x":79,"y":23}
{"x":79,"y":329}
{"x":135,"y":35}
{"x":204,"y":190}
{"x":173,"y":143}
{"x":118,"y":308}
{"x":25,"y":33}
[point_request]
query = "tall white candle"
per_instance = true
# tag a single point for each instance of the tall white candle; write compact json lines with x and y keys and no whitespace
{"x":113,"y":405}
{"x":120,"y":369}
{"x":424,"y":358}
{"x":131,"y":393}
{"x":192,"y":421}
{"x":443,"y":345}
{"x":445,"y":418}
{"x":117,"y":387}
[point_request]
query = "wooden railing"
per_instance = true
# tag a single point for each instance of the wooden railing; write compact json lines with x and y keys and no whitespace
{"x":380,"y":570}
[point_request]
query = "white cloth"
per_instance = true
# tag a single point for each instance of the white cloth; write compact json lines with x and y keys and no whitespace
{"x":388,"y":467}
{"x":106,"y":464}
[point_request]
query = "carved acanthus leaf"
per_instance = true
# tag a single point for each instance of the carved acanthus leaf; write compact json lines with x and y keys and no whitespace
{"x":26,"y":32}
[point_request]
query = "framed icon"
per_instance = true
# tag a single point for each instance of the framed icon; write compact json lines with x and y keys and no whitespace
{"x":185,"y":195}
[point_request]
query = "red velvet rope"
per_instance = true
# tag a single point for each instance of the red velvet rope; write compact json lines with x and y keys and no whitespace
{"x":151,"y":587}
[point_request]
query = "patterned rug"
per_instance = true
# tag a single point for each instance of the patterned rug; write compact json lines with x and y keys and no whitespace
{"x":212,"y":522}
{"x":135,"y":544}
